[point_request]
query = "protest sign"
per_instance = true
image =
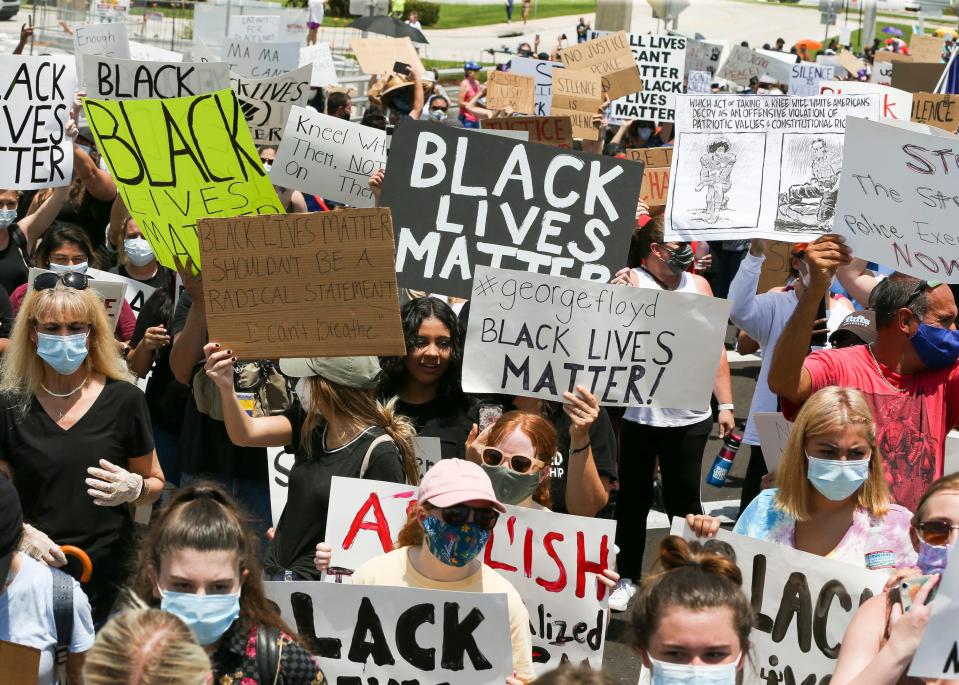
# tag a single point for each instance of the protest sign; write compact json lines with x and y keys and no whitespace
{"x":579,"y":96}
{"x":329,"y":156}
{"x":802,"y":603}
{"x":37,"y":98}
{"x":881,"y":73}
{"x":378,"y":55}
{"x":108,"y":40}
{"x":805,"y":77}
{"x":537,"y":335}
{"x":142,"y":52}
{"x":698,"y":82}
{"x":463,"y":199}
{"x":428,"y":453}
{"x":896,"y":104}
{"x":773,"y":430}
{"x":555,"y":131}
{"x":923,"y":48}
{"x":609,"y":57}
{"x":319,"y":284}
{"x":749,"y":167}
{"x":656,"y":174}
{"x":542,"y":73}
{"x":941,"y":111}
{"x":781,"y":64}
{"x":179,"y":159}
{"x":377,"y":634}
{"x":938,"y":653}
{"x":703,"y":56}
{"x":324,"y":70}
{"x":135,"y":293}
{"x":916,"y":77}
{"x":279,"y":463}
{"x":504,"y":89}
{"x":124,"y":79}
{"x":832,"y":61}
{"x":110,"y":10}
{"x":852,"y":64}
{"x":776,"y":267}
{"x":651,"y":156}
{"x":551,"y":559}
{"x":111,"y":292}
{"x":254,"y":27}
{"x":266,"y":103}
{"x":897,"y":195}
{"x":260,"y":59}
{"x":201,"y":53}
{"x":743,"y":64}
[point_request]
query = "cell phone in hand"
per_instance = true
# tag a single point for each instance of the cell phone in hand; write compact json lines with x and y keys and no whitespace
{"x":401,"y":68}
{"x":488,"y":415}
{"x":909,"y":588}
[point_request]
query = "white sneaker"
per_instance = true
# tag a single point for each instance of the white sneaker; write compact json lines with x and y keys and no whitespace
{"x":621,"y":594}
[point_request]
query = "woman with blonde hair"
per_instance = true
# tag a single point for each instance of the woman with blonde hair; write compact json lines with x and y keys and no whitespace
{"x":337,"y":428}
{"x":75,"y":432}
{"x":832,"y":499}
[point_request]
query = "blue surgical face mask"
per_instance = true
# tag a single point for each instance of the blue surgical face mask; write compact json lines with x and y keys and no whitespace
{"x":933,"y":558}
{"x":665,"y":673}
{"x":835,"y":479}
{"x":454,"y":545}
{"x":138,"y":251}
{"x":80,"y":268}
{"x":64,"y":353}
{"x":936,"y":348}
{"x":7,"y":217}
{"x":208,"y":616}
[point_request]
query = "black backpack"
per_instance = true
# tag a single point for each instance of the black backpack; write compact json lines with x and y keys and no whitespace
{"x":267,"y":654}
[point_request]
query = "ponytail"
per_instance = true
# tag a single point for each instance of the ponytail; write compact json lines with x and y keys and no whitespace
{"x":402,"y":432}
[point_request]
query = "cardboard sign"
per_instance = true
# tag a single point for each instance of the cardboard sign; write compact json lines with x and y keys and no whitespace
{"x":110,"y":291}
{"x":179,"y":159}
{"x":267,"y":103}
{"x":376,"y":634}
{"x":743,"y":64}
{"x":504,"y":89}
{"x":35,"y":150}
{"x":773,"y":430}
{"x":656,"y":174}
{"x":758,"y":167}
{"x":927,"y":49}
{"x":254,"y":27}
{"x":703,"y":56}
{"x":699,"y":82}
{"x":542,"y":73}
{"x":329,"y":156}
{"x":123,"y":79}
{"x":896,"y":194}
{"x":554,"y":131}
{"x":324,"y":70}
{"x":852,"y":64}
{"x":609,"y":57}
{"x":536,"y":335}
{"x":938,"y":653}
{"x":551,"y":559}
{"x":805,"y":77}
{"x":651,"y":156}
{"x":463,"y":199}
{"x":941,"y":111}
{"x":916,"y":77}
{"x":579,"y":96}
{"x":377,"y":55}
{"x":261,"y":60}
{"x":136,"y":293}
{"x":142,"y":52}
{"x":19,"y":663}
{"x":803,"y":604}
{"x":775,"y":269}
{"x":107,"y":40}
{"x":896,"y":104}
{"x":320,"y":284}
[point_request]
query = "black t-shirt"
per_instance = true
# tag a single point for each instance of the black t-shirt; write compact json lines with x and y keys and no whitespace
{"x":303,"y":523}
{"x":6,"y":314}
{"x":161,"y":279}
{"x":204,"y":448}
{"x":602,"y":439}
{"x":166,"y":396}
{"x":446,"y":419}
{"x":13,"y":260}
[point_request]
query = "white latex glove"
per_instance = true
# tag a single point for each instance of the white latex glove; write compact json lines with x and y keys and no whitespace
{"x":113,"y":485}
{"x":36,"y":544}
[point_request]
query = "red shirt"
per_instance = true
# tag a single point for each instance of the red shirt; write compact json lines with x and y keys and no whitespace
{"x":911,"y":426}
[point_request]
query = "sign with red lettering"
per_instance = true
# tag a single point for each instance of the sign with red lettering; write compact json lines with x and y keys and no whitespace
{"x":555,"y":131}
{"x":551,"y":559}
{"x":656,"y":175}
{"x":896,"y":104}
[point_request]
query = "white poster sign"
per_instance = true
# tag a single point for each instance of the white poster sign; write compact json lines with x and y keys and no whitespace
{"x":542,"y":73}
{"x":329,"y":156}
{"x":806,"y":76}
{"x":279,"y":463}
{"x":758,"y":167}
{"x":896,"y":104}
{"x":202,"y":53}
{"x":254,"y":27}
{"x":267,"y":103}
{"x":124,"y":79}
{"x":261,"y":60}
{"x":428,"y":452}
{"x":324,"y":70}
{"x":108,"y":40}
{"x":938,"y":653}
{"x":136,"y":293}
{"x":773,"y":429}
{"x":780,"y":65}
{"x":551,"y":559}
{"x":537,"y":335}
{"x":143,"y":52}
{"x":699,"y":82}
{"x":377,"y":634}
{"x":703,"y":56}
{"x":743,"y":64}
{"x":111,"y":292}
{"x":803,"y":604}
{"x":897,"y":198}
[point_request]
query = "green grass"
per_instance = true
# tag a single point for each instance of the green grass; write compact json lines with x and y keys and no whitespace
{"x":462,"y":16}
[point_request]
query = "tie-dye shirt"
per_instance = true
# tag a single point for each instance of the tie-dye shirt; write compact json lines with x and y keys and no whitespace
{"x":764,"y":520}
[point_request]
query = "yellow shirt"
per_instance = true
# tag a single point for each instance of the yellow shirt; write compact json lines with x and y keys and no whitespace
{"x":394,"y":569}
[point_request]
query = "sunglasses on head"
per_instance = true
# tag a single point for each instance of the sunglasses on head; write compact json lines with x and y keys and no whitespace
{"x":921,"y":287}
{"x":936,"y":532}
{"x":71,"y":279}
{"x":459,"y":515}
{"x":493,"y":456}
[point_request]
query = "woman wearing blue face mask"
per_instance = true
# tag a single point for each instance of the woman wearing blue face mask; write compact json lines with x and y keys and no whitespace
{"x":137,"y":260}
{"x":882,"y":638}
{"x":199,"y":562}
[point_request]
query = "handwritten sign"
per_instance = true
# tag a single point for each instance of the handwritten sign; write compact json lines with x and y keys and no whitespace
{"x":136,"y":293}
{"x":254,"y":27}
{"x":463,"y":199}
{"x":542,"y":73}
{"x":255,"y":59}
{"x":655,"y":175}
{"x":123,"y":79}
{"x":896,"y":198}
{"x":577,"y":95}
{"x":773,"y":430}
{"x":744,"y":64}
{"x":324,"y":70}
{"x":881,"y":73}
{"x":938,"y":653}
{"x":896,"y":104}
{"x":925,"y":48}
{"x":375,"y":634}
{"x":608,"y":57}
{"x":179,"y":159}
{"x":378,"y":55}
{"x":504,"y":89}
{"x":805,"y":77}
{"x":108,"y":40}
{"x":554,"y":131}
{"x":941,"y":111}
{"x":144,"y":52}
{"x":698,"y":82}
{"x":110,"y":292}
{"x":703,"y":56}
{"x":267,"y":103}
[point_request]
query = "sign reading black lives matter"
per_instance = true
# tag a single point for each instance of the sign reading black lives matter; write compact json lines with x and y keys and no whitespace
{"x":758,"y":167}
{"x":124,"y":79}
{"x":463,"y":199}
{"x":538,"y":336}
{"x":266,"y":103}
{"x":376,"y":634}
{"x":35,"y":151}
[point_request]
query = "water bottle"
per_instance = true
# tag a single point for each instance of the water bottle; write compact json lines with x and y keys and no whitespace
{"x":724,"y":460}
{"x":879,"y":553}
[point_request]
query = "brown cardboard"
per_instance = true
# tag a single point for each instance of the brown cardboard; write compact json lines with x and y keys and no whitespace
{"x":578,"y":95}
{"x":941,"y":111}
{"x":19,"y":664}
{"x":916,"y":77}
{"x":378,"y":55}
{"x":775,"y":269}
{"x":926,"y":48}
{"x":504,"y":89}
{"x":651,"y":156}
{"x":850,"y":62}
{"x":320,"y":284}
{"x":889,"y":56}
{"x":609,"y":57}
{"x":554,"y":131}
{"x":655,"y":186}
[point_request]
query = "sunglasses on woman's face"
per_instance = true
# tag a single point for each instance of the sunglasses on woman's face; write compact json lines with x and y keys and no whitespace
{"x":493,"y":456}
{"x":459,"y":515}
{"x":936,"y":532}
{"x":71,"y":279}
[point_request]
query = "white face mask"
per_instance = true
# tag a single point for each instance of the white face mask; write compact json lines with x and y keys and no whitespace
{"x":665,"y":673}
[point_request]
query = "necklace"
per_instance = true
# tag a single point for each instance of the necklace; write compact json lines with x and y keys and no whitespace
{"x":68,"y":394}
{"x":879,"y":371}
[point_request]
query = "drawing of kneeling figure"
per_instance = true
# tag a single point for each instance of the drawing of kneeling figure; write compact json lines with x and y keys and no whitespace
{"x":714,"y":176}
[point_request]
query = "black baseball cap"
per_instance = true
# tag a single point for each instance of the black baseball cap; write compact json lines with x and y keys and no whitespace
{"x":11,"y":526}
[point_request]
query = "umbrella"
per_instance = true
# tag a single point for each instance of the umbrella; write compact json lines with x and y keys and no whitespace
{"x":389,"y":26}
{"x":808,"y":44}
{"x":943,"y":32}
{"x":892,"y":31}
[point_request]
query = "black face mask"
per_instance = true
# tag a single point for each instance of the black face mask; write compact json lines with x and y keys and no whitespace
{"x":679,"y":260}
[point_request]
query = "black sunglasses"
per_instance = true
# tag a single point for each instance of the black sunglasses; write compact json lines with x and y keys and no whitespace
{"x":936,"y":532}
{"x":439,"y":109}
{"x":71,"y":279}
{"x":459,"y":515}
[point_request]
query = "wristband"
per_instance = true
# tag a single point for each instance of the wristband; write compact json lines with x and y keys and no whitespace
{"x":728,"y":406}
{"x":581,"y":449}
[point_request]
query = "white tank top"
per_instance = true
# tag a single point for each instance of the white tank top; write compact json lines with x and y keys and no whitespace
{"x":668,"y":418}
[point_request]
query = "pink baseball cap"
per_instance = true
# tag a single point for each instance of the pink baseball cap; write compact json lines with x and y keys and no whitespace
{"x":454,"y":481}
